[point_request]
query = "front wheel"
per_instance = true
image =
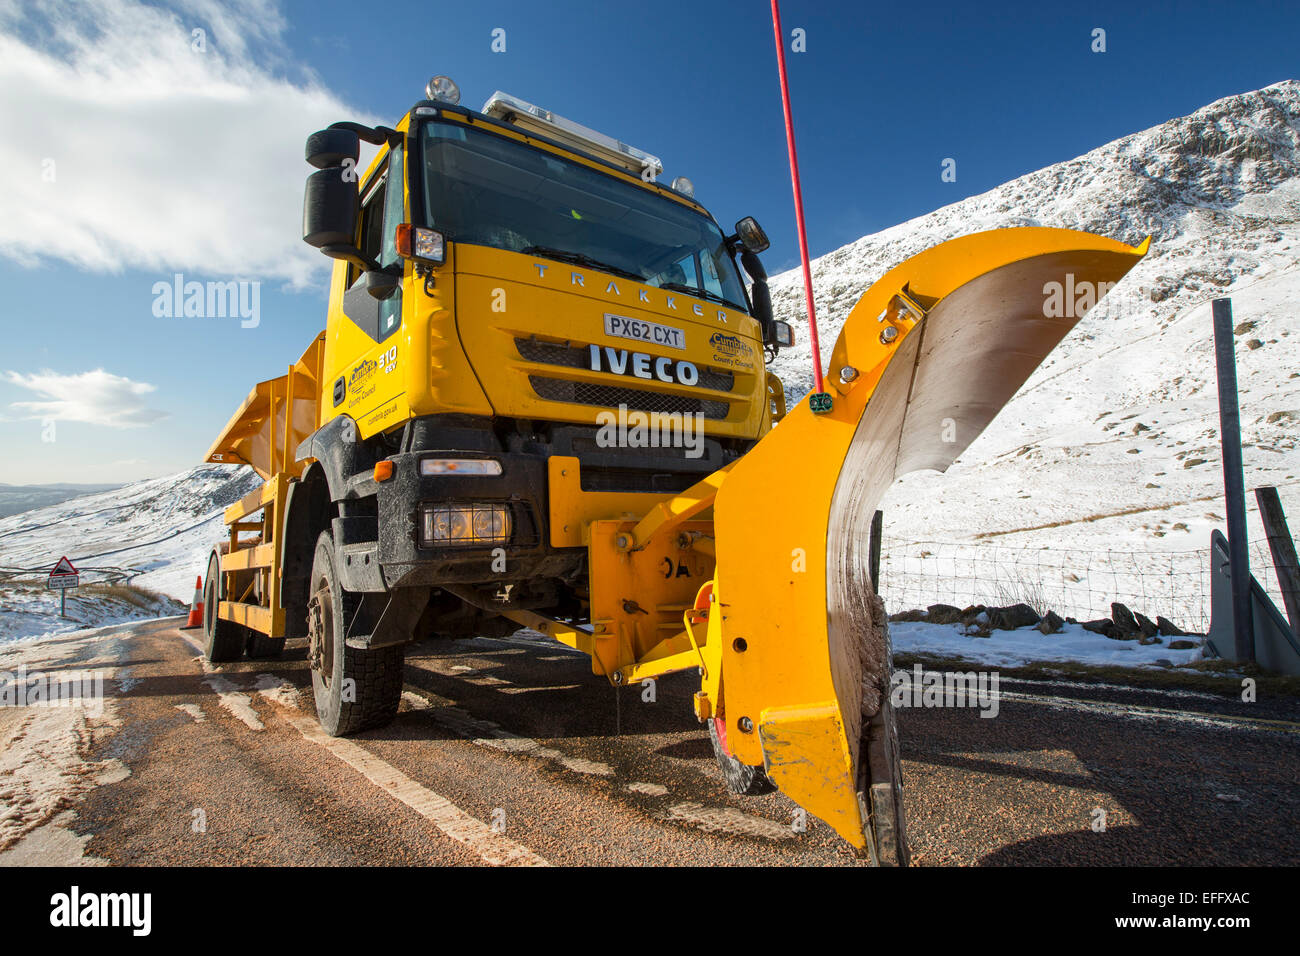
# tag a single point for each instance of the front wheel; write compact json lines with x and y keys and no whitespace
{"x":355,"y":689}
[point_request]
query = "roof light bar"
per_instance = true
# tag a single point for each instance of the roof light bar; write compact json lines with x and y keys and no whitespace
{"x":526,"y":116}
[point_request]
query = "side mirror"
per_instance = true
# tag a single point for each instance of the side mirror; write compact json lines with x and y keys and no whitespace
{"x":329,"y":210}
{"x":751,"y":234}
{"x":333,"y":147}
{"x":782,"y":334}
{"x":381,"y":284}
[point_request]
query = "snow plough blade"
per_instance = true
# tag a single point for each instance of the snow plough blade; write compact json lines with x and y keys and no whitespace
{"x":924,"y":362}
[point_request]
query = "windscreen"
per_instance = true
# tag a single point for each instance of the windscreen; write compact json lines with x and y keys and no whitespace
{"x":488,"y":190}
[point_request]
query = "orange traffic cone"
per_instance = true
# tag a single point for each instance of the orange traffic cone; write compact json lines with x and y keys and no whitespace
{"x":196,"y":608}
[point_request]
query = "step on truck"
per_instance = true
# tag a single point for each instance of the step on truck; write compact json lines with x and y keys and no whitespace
{"x":542,"y":399}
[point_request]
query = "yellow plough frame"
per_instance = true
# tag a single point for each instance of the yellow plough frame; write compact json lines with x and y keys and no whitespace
{"x":769,"y":553}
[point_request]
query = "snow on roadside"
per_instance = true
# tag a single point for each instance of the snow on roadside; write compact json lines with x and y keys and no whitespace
{"x":44,"y":750}
{"x":32,"y":613}
{"x":1026,"y":645}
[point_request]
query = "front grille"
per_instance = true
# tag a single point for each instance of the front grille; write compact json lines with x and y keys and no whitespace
{"x":553,"y":353}
{"x":609,"y":396}
{"x":636,"y":480}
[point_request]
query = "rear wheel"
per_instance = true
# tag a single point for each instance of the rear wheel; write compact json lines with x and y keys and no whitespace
{"x":355,"y":689}
{"x":261,"y":646}
{"x":740,"y":777}
{"x":223,"y":640}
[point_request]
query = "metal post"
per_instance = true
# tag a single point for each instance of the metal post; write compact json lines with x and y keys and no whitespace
{"x":877,"y":524}
{"x":1234,"y":483}
{"x":63,"y":602}
{"x":1283,"y":550}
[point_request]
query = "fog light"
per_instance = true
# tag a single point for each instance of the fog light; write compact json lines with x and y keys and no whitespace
{"x":490,"y":523}
{"x":467,"y":524}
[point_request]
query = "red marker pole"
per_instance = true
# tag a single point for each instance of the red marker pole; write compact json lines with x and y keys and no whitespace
{"x":818,"y":386}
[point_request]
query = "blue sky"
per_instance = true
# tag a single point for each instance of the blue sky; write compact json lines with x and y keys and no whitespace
{"x":170,"y":159}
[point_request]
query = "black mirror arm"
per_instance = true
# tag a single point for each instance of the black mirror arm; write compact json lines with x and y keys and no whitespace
{"x":382,"y":284}
{"x":353,"y":255}
{"x":375,"y":135}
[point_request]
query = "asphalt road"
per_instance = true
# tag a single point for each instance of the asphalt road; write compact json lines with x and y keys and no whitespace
{"x":510,"y":752}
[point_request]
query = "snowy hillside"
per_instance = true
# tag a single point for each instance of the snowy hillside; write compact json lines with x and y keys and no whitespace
{"x":1114,"y":440}
{"x":153,"y":534}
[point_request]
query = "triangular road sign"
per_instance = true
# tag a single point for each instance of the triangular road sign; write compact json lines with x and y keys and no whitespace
{"x":63,"y":567}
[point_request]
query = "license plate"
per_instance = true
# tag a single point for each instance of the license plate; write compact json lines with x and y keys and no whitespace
{"x":640,"y":331}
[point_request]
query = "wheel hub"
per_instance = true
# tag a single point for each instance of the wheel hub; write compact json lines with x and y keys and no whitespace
{"x":320,"y":625}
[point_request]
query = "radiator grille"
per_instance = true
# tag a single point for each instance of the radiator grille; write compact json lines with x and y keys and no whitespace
{"x":609,"y":396}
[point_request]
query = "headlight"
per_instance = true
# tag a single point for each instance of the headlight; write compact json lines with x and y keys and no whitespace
{"x":460,"y":466}
{"x":442,"y":88}
{"x":464,"y":524}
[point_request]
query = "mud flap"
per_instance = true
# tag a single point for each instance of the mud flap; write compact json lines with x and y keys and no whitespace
{"x":924,"y":362}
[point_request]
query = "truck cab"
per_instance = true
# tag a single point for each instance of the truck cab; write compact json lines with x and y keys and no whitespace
{"x":527,"y":332}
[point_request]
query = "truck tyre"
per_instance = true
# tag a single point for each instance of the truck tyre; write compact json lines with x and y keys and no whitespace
{"x":740,"y":777}
{"x":223,"y":640}
{"x":261,"y":646}
{"x":355,"y":689}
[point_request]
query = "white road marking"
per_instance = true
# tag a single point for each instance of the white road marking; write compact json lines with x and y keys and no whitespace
{"x":492,"y":847}
{"x":239,"y":705}
{"x":463,"y":671}
{"x":649,"y":789}
{"x":728,"y":820}
{"x":487,"y":734}
{"x":195,"y":711}
{"x":278,"y":691}
{"x":530,"y":690}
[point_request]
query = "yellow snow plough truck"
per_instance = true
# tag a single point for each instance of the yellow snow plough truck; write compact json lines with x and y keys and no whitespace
{"x":541,"y":399}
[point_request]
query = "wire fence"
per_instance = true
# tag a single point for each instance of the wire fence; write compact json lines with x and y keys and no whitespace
{"x":1072,"y":582}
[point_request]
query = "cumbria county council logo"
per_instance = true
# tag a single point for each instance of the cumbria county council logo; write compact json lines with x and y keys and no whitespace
{"x":730,"y":347}
{"x":361,"y":372}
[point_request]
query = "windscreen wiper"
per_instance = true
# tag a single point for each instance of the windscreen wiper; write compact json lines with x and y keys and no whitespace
{"x":700,"y":293}
{"x":580,"y":259}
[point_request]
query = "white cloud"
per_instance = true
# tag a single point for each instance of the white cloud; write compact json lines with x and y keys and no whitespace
{"x":162,"y":157}
{"x":98,"y":398}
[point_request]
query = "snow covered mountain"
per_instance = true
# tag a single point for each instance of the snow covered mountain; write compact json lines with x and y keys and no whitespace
{"x":1113,"y":442}
{"x":152,"y":534}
